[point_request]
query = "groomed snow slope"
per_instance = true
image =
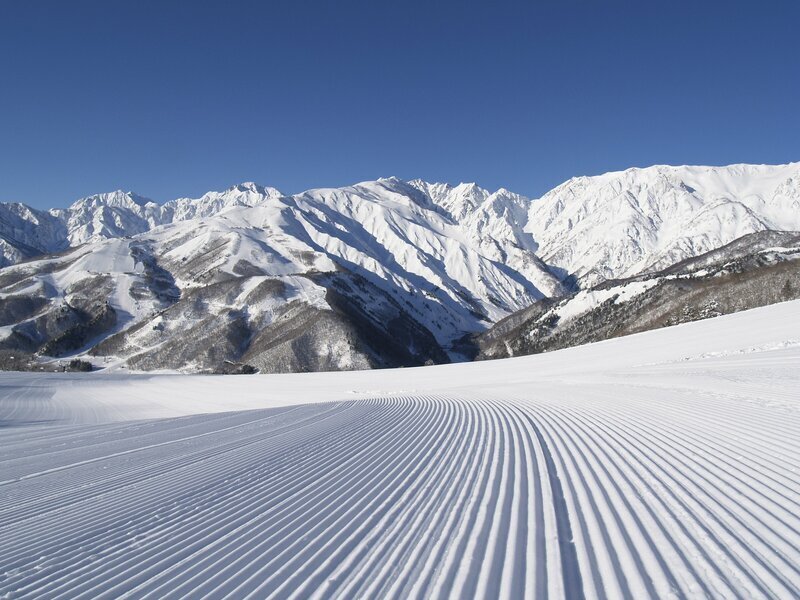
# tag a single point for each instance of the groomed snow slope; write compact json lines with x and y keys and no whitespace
{"x":664,"y":464}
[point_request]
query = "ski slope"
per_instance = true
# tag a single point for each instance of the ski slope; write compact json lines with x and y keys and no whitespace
{"x":664,"y":464}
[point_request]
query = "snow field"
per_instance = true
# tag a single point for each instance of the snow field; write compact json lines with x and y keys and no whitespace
{"x":665,"y":464}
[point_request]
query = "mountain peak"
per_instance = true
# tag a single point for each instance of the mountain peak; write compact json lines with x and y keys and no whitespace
{"x":615,"y":224}
{"x":621,"y":220}
{"x":253,"y":187}
{"x":117,"y":198}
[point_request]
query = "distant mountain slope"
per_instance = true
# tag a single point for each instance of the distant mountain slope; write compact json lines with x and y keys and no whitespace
{"x":374,"y":274}
{"x":26,"y":232}
{"x":755,"y":270}
{"x":619,"y":224}
{"x":379,"y":273}
{"x":106,"y":216}
{"x":592,"y":228}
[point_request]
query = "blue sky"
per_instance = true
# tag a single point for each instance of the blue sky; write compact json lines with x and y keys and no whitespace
{"x":175,"y":98}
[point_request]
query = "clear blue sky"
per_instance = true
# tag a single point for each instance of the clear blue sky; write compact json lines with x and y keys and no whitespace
{"x":175,"y":98}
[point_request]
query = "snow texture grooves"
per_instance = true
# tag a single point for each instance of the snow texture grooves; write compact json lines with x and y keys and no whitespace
{"x":573,"y":588}
{"x":562,"y":491}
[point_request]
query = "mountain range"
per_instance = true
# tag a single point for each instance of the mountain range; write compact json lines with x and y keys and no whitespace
{"x":754,"y":270}
{"x":381,"y":273}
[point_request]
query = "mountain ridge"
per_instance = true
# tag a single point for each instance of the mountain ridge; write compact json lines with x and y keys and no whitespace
{"x":266,"y":269}
{"x":755,"y":270}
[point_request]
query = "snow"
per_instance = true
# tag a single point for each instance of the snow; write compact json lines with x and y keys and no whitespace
{"x":618,"y":224}
{"x":25,"y":231}
{"x":477,"y":256}
{"x":663,"y":464}
{"x":454,"y":277}
{"x":586,"y":300}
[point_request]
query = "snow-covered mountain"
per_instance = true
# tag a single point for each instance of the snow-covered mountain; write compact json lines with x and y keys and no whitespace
{"x":212,"y":203}
{"x":26,"y":232}
{"x":619,"y":224}
{"x":330,"y":278}
{"x":754,"y":270}
{"x":593,"y":228}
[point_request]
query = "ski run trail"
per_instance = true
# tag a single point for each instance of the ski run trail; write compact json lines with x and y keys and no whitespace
{"x":661,"y":465}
